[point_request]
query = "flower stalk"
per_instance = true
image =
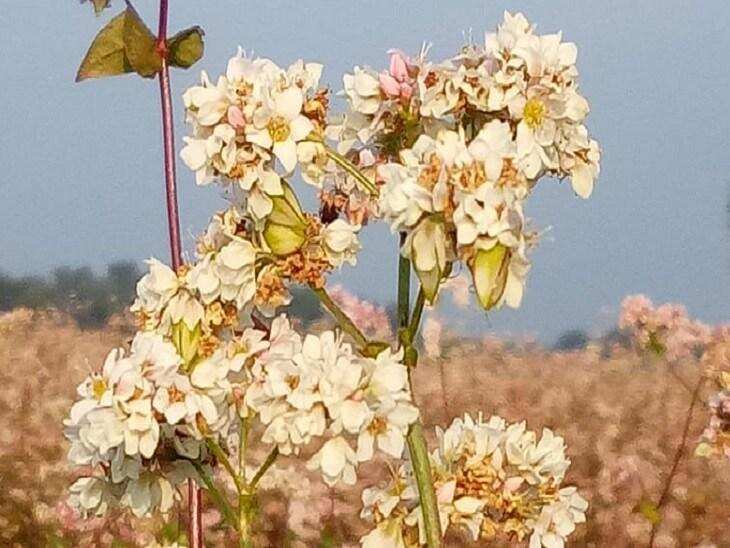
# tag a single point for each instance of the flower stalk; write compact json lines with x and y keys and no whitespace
{"x":678,"y":455}
{"x":194,"y":510}
{"x":417,"y":446}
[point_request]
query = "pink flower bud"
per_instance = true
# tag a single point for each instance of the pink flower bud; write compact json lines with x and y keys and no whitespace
{"x":235,"y":117}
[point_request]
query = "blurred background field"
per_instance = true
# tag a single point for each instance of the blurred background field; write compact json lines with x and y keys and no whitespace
{"x":621,"y":414}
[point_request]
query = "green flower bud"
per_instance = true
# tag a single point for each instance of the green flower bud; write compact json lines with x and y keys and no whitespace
{"x":186,"y":342}
{"x":427,"y":250}
{"x":489,"y":270}
{"x":285,"y":228}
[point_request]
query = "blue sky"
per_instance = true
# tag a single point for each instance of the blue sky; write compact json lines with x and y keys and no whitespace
{"x":82,"y":176}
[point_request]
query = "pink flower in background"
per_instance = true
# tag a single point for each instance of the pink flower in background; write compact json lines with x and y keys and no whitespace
{"x":397,"y":81}
{"x":431,"y":335}
{"x":459,"y":287}
{"x":666,"y":330}
{"x":371,"y":319}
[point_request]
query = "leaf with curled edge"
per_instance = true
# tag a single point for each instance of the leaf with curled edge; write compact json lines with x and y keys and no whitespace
{"x":106,"y":55}
{"x":140,"y":45}
{"x":186,"y":47}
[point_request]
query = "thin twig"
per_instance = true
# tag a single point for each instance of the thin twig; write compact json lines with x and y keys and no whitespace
{"x":270,"y":459}
{"x":219,"y":454}
{"x":347,"y":325}
{"x":216,"y":495}
{"x":678,"y":455}
{"x":680,"y":379}
{"x":417,"y":314}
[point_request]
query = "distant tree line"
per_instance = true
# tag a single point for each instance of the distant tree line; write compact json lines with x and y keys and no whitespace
{"x":92,"y":298}
{"x":88,"y":297}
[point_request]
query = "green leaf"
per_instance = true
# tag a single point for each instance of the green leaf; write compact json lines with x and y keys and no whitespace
{"x":650,"y":511}
{"x":106,"y":56}
{"x":124,"y":45}
{"x":186,"y":47}
{"x":140,"y":45}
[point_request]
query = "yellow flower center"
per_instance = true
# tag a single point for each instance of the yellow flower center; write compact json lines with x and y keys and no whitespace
{"x":534,"y":113}
{"x":279,"y":129}
{"x":98,"y":387}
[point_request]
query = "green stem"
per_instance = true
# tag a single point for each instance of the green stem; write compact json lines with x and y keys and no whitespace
{"x":347,"y":325}
{"x":353,"y":170}
{"x":348,"y":166}
{"x":404,"y":286}
{"x":415,"y":322}
{"x":416,"y":440}
{"x":422,"y":471}
{"x":223,"y":459}
{"x":243,"y":521}
{"x":217,"y":496}
{"x":270,"y":459}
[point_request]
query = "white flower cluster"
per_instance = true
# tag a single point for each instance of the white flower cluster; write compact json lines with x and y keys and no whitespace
{"x":254,"y":114}
{"x":459,"y":145}
{"x":250,"y":130}
{"x":305,"y":388}
{"x":138,"y":406}
{"x":493,"y":481}
{"x":145,"y":416}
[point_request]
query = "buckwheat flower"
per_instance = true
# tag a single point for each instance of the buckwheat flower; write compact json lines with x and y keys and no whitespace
{"x":509,"y":32}
{"x":341,"y":243}
{"x":156,"y":358}
{"x":155,"y":288}
{"x":207,"y":103}
{"x":402,"y":199}
{"x":207,"y":156}
{"x":90,"y":495}
{"x":279,"y":125}
{"x":363,"y":91}
{"x":438,"y":89}
{"x":305,"y":76}
{"x":147,"y":494}
{"x":292,"y":429}
{"x":492,"y":146}
{"x":558,"y":520}
{"x":337,"y":462}
{"x":203,"y":278}
{"x":183,"y":307}
{"x":387,"y":429}
{"x":388,"y":377}
{"x":491,"y":481}
{"x":580,"y":157}
{"x":141,"y":429}
{"x":171,"y":400}
{"x":235,"y":268}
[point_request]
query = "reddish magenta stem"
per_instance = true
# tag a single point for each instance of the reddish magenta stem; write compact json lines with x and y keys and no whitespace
{"x":173,"y":216}
{"x":195,"y":525}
